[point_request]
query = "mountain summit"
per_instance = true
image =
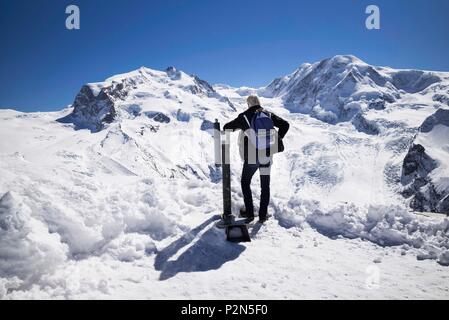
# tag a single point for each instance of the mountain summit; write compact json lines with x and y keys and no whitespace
{"x":143,"y":91}
{"x":338,"y":88}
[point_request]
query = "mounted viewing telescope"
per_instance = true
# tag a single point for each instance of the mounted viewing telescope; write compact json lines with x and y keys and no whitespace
{"x":234,"y":232}
{"x":222,"y":159}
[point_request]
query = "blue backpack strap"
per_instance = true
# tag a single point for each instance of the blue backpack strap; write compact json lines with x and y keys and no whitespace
{"x":265,"y":112}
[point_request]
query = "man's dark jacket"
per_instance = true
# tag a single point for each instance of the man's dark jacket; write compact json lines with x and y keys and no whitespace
{"x":240,"y":124}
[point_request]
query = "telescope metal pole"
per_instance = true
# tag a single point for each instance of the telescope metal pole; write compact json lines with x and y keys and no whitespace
{"x":217,"y":143}
{"x":222,"y":159}
{"x":226,"y":169}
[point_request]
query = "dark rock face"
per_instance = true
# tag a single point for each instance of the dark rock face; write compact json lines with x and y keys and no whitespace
{"x":203,"y":86}
{"x":443,"y":206}
{"x":413,"y":81}
{"x":93,"y":111}
{"x":441,"y":116}
{"x":364,"y":125}
{"x":148,"y":128}
{"x":182,"y":116}
{"x":207,"y":125}
{"x":415,"y":170}
{"x":157,"y":116}
{"x":444,"y":99}
{"x":230,"y":104}
{"x":378,"y":104}
{"x":424,"y":200}
{"x":417,"y":167}
{"x":200,"y":86}
{"x":133,"y":110}
{"x":417,"y":162}
{"x":173,"y":73}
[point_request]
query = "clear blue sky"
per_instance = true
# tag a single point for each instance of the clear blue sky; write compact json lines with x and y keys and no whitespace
{"x":238,"y":42}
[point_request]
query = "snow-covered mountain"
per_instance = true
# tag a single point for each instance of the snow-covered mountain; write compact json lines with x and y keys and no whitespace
{"x":116,"y":195}
{"x":140,"y":92}
{"x":342,"y":87}
{"x":140,"y":103}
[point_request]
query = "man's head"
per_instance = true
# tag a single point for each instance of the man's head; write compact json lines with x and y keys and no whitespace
{"x":253,"y":101}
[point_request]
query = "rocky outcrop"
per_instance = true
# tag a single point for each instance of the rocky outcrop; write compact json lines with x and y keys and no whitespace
{"x":207,"y":125}
{"x":364,"y":125}
{"x":415,"y":175}
{"x":157,"y":116}
{"x":441,"y":98}
{"x":93,"y":110}
{"x":440,"y":117}
{"x":427,"y":191}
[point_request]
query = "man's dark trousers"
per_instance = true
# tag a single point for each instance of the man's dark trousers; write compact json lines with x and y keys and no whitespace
{"x":247,"y":174}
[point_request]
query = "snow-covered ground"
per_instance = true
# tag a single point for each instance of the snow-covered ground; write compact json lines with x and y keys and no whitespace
{"x":127,"y":209}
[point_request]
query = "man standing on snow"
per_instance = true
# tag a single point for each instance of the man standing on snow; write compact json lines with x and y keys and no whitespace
{"x":252,"y":121}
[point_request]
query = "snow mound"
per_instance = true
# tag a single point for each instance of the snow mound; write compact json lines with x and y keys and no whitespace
{"x":27,"y":248}
{"x":130,"y":247}
{"x":385,"y":226}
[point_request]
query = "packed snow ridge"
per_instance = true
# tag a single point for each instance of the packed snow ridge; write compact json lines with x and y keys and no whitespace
{"x":116,"y":195}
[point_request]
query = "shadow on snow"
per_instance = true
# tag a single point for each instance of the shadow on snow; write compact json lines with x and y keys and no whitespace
{"x":209,"y":252}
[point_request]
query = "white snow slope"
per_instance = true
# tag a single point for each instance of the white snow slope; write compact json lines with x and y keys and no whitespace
{"x":126,"y":208}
